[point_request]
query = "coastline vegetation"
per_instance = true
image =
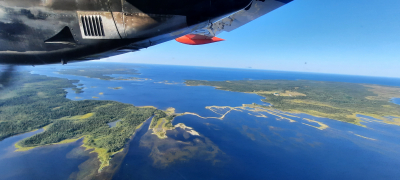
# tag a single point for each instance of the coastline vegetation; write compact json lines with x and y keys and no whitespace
{"x":162,"y":122}
{"x":77,"y":90}
{"x":336,"y":100}
{"x":36,"y":101}
{"x":99,"y":73}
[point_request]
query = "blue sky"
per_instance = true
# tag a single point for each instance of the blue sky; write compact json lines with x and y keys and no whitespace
{"x":340,"y":37}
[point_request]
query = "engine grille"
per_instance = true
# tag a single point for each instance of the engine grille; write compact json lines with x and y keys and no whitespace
{"x":92,"y":25}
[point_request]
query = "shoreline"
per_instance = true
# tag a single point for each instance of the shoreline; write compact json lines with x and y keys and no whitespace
{"x":357,"y":121}
{"x":102,"y":155}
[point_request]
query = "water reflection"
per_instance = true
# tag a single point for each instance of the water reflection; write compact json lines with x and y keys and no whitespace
{"x":48,"y":162}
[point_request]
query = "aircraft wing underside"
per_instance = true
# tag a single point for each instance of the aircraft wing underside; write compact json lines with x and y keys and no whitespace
{"x":208,"y":33}
{"x":46,"y":32}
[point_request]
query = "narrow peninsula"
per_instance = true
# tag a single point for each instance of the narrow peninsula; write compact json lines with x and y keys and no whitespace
{"x":335,"y":100}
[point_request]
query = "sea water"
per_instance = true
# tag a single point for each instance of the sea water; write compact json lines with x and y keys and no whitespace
{"x":249,"y":147}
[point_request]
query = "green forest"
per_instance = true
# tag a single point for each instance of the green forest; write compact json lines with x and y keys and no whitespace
{"x":36,"y":101}
{"x":335,"y":100}
{"x":99,"y":73}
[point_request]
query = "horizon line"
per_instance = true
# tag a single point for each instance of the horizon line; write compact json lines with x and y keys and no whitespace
{"x":310,"y":72}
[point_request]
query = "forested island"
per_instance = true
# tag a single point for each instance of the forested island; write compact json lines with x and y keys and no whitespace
{"x":163,"y":122}
{"x":103,"y":73}
{"x":336,"y":100}
{"x":37,"y":101}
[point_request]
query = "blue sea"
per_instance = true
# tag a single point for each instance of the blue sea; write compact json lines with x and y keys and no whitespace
{"x":243,"y":145}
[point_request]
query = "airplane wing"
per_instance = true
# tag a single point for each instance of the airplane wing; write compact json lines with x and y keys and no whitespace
{"x":91,"y":30}
{"x":254,"y":10}
{"x":207,"y":34}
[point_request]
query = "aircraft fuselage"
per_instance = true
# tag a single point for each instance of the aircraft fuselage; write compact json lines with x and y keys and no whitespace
{"x":53,"y":31}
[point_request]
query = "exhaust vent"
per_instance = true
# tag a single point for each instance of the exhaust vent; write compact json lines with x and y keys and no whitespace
{"x":97,"y":25}
{"x":92,"y":25}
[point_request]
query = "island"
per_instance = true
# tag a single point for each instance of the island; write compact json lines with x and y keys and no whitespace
{"x":37,"y":101}
{"x":169,"y":149}
{"x":132,"y":79}
{"x":102,"y":73}
{"x":77,"y":90}
{"x":163,"y":122}
{"x":335,"y":100}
